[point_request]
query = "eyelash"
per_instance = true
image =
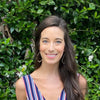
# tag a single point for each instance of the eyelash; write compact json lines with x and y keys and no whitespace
{"x":44,"y":41}
{"x":58,"y":41}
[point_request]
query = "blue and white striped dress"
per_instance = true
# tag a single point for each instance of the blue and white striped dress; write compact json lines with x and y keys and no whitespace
{"x":33,"y":92}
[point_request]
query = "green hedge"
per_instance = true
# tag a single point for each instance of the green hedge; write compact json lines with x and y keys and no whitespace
{"x":18,"y":19}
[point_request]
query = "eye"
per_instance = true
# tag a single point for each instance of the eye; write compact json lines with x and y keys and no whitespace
{"x":44,"y":41}
{"x":58,"y":42}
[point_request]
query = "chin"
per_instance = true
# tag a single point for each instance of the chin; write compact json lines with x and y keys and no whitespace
{"x":52,"y":62}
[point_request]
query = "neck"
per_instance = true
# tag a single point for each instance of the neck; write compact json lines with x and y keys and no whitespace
{"x":48,"y":70}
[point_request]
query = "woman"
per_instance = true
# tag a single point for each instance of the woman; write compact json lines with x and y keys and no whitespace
{"x":55,"y":76}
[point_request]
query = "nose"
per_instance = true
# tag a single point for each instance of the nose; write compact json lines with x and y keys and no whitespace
{"x":51,"y":47}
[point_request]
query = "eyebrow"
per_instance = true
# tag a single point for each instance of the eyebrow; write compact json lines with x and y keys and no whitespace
{"x":56,"y":38}
{"x":59,"y":39}
{"x":44,"y":38}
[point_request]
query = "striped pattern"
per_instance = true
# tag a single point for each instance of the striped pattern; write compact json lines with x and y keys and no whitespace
{"x":33,"y":92}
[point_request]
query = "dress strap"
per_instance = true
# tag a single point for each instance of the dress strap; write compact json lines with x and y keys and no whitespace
{"x":31,"y":89}
{"x":63,"y":95}
{"x":28,"y":87}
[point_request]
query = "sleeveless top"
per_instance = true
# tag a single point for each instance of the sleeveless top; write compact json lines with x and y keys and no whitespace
{"x":33,"y":92}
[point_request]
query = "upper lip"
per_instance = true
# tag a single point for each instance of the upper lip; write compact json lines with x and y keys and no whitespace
{"x":50,"y":54}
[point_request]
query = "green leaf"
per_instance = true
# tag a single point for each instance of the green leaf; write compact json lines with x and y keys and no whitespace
{"x":2,"y":65}
{"x":94,"y":66}
{"x":95,"y":14}
{"x":7,"y":41}
{"x":64,"y":9}
{"x":75,"y":20}
{"x":90,"y":79}
{"x":51,"y":2}
{"x":43,"y":2}
{"x":40,"y":11}
{"x":11,"y":29}
{"x":92,"y":6}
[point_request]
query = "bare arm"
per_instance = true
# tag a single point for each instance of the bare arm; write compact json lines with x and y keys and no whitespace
{"x":20,"y":90}
{"x":83,"y":85}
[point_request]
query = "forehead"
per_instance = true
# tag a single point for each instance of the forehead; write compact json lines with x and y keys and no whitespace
{"x":52,"y":32}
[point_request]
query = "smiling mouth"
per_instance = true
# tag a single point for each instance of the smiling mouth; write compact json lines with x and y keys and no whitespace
{"x":51,"y":55}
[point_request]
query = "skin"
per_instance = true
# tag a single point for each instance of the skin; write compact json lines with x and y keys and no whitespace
{"x":83,"y":85}
{"x":46,"y":77}
{"x":52,"y":45}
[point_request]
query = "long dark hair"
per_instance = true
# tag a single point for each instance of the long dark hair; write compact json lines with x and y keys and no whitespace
{"x":67,"y":68}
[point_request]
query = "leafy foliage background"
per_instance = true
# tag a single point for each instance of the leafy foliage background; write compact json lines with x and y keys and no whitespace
{"x":18,"y":20}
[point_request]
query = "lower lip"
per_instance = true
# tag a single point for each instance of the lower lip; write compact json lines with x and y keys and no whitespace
{"x":51,"y":56}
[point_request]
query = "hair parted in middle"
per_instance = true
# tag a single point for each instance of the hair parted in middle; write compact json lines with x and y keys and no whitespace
{"x":67,"y":64}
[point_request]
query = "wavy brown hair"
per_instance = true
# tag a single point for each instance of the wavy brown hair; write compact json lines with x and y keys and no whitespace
{"x":67,"y":68}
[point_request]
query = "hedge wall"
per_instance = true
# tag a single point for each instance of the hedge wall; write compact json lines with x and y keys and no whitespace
{"x":18,"y":19}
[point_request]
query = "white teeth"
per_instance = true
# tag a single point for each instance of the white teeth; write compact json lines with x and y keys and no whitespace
{"x":51,"y":55}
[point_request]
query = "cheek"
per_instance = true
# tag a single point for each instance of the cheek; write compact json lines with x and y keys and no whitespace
{"x":42,"y":48}
{"x":61,"y":49}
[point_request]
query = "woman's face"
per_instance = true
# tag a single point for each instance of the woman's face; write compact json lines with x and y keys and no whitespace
{"x":52,"y":45}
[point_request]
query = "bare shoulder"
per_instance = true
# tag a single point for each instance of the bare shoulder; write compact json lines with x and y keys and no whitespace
{"x":20,"y":84}
{"x":83,"y":84}
{"x":20,"y":89}
{"x":82,"y":80}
